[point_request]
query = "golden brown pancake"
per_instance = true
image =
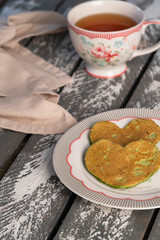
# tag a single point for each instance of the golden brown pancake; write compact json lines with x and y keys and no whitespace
{"x":137,"y":129}
{"x":122,"y":167}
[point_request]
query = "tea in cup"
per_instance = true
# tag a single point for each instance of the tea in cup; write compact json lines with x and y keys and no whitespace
{"x":106,"y":34}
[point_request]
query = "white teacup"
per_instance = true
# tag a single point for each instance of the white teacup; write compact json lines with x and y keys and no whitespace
{"x":106,"y":53}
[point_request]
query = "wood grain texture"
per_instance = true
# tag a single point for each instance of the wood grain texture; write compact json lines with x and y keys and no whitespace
{"x":9,"y":143}
{"x":155,"y":233}
{"x":148,"y":91}
{"x":90,"y":221}
{"x":15,"y":6}
{"x":57,"y":49}
{"x":33,"y":198}
{"x":89,"y":96}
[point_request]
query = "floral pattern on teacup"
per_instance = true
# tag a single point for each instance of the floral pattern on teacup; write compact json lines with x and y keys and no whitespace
{"x":98,"y":53}
{"x":102,"y":52}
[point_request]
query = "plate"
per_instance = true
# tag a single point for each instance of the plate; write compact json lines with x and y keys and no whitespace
{"x":68,"y":161}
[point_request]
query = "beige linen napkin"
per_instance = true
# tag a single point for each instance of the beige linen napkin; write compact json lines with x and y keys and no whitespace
{"x":27,"y":100}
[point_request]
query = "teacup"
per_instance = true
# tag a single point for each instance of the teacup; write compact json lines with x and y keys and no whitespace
{"x":106,"y":53}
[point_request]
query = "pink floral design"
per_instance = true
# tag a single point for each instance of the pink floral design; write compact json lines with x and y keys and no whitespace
{"x":101,"y":52}
{"x":134,"y":47}
{"x":125,"y":39}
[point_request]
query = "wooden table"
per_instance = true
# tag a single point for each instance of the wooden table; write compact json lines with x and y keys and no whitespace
{"x":34,"y":203}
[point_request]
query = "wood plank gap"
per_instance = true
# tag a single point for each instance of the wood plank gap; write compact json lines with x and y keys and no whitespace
{"x":62,"y":216}
{"x":150,"y":224}
{"x":75,"y":67}
{"x":137,"y":81}
{"x":2,"y":3}
{"x":59,"y":5}
{"x":14,"y":155}
{"x":28,"y":41}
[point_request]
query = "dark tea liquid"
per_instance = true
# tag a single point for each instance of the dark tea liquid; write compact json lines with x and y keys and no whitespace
{"x":105,"y":22}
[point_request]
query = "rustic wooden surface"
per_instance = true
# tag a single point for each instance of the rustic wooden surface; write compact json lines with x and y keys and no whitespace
{"x":155,"y":232}
{"x":34,"y":203}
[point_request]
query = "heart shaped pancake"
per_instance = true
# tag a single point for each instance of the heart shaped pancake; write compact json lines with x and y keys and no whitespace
{"x":122,"y":167}
{"x":137,"y":129}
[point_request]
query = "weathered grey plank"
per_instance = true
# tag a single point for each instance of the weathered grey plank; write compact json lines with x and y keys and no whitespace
{"x":15,"y":6}
{"x":90,"y":221}
{"x":91,"y":96}
{"x":155,"y":233}
{"x":2,"y":2}
{"x":56,"y":49}
{"x":149,"y":86}
{"x":9,"y":142}
{"x":32,"y":199}
{"x":67,"y":5}
{"x":31,"y":195}
{"x":148,"y":91}
{"x":30,"y":189}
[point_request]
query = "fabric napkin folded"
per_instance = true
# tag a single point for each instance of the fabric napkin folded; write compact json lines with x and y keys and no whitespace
{"x":27,"y":100}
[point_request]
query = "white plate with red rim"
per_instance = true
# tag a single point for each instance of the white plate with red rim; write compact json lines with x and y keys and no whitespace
{"x":68,"y":161}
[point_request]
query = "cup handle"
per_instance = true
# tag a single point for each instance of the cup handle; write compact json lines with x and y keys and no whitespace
{"x":150,"y":49}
